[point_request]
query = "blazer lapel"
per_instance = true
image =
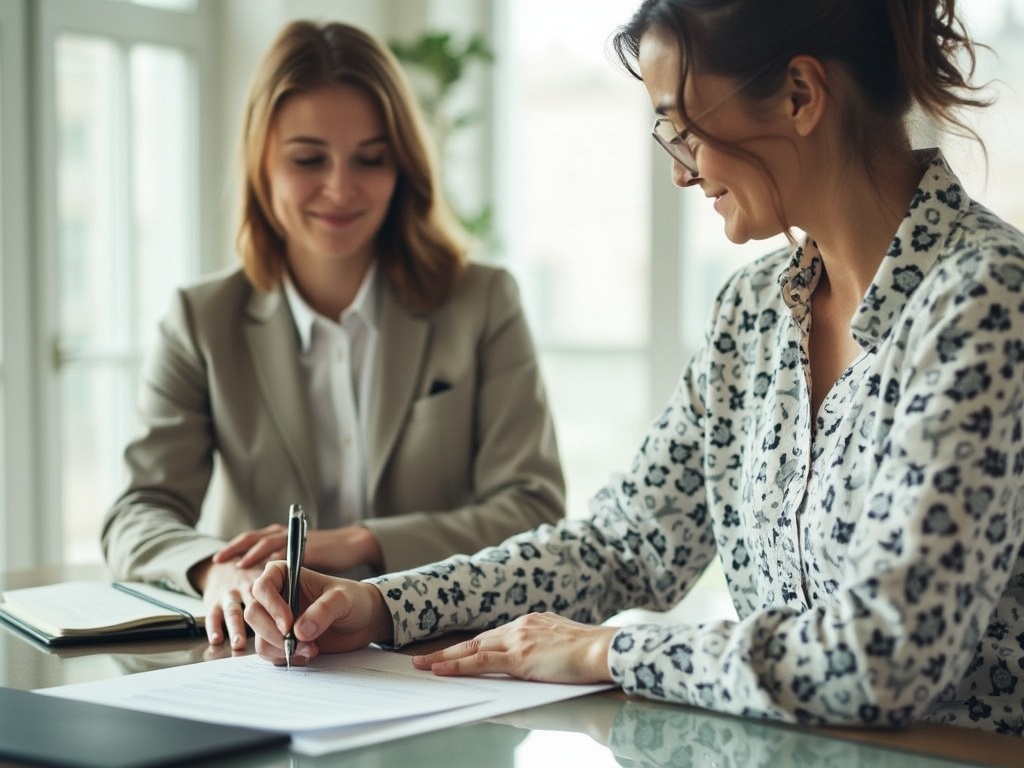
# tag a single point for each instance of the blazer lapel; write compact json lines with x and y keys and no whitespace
{"x":273,"y":347}
{"x":401,"y":347}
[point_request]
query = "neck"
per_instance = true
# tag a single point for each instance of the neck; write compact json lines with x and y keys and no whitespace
{"x":329,"y":287}
{"x":855,"y":217}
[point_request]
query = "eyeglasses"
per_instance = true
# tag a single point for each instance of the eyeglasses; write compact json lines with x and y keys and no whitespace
{"x":674,"y":142}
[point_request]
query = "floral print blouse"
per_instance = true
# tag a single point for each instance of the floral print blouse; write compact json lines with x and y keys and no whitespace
{"x":872,"y":550}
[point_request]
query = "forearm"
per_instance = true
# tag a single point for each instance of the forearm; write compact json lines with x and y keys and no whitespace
{"x":146,"y":542}
{"x":417,"y":538}
{"x":561,"y":568}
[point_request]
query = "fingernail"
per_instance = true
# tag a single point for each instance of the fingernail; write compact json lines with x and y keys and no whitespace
{"x":307,"y":627}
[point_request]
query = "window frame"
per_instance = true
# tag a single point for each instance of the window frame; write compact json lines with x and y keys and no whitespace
{"x":123,"y":24}
{"x":18,"y":448}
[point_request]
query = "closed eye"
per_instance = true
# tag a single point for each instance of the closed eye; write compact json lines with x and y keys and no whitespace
{"x":309,"y":161}
{"x":374,"y":161}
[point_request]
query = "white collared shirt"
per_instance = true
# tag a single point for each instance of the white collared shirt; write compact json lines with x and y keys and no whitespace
{"x":339,"y":358}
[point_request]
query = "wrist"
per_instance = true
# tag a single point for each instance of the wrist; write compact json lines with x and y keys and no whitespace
{"x":370,"y":548}
{"x":597,"y":655}
{"x":383,"y":626}
{"x":198,"y":574}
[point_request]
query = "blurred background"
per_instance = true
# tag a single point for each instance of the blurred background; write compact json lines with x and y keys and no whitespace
{"x":118,"y":126}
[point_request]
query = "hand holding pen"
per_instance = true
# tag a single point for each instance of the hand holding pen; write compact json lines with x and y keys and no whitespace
{"x":295,"y":553}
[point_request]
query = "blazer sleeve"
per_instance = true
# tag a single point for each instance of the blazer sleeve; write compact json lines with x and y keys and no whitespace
{"x":149,"y":533}
{"x":516,"y":475}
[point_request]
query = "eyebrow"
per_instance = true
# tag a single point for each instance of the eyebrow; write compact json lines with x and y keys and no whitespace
{"x":321,"y":143}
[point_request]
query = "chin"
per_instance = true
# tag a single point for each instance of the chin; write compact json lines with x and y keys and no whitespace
{"x":740,"y":234}
{"x":737,"y":236}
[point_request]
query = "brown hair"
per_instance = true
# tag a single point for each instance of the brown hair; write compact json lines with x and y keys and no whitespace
{"x":898,"y":53}
{"x":420,"y":246}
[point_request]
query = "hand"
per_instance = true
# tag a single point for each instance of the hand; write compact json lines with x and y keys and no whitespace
{"x":335,"y":615}
{"x":539,"y":646}
{"x":226,"y":589}
{"x":333,"y":550}
{"x":255,"y":548}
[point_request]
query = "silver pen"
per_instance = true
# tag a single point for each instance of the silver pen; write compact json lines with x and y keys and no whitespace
{"x":296,"y":551}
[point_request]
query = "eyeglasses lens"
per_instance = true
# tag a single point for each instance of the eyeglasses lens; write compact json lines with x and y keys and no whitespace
{"x":668,"y":137}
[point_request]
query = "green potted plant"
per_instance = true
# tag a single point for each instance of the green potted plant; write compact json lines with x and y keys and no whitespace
{"x":436,"y":63}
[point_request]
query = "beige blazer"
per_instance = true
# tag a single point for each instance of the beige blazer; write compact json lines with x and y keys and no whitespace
{"x":226,"y":440}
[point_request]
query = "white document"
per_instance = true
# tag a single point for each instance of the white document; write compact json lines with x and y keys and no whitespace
{"x":505,"y":694}
{"x":339,"y":701}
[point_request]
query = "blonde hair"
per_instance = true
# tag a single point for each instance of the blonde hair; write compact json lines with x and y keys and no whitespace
{"x":421,"y":246}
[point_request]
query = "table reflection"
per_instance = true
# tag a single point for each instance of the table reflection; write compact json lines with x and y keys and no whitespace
{"x":639,"y":733}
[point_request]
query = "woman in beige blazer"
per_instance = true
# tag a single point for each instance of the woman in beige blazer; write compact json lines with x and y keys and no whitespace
{"x":356,"y":364}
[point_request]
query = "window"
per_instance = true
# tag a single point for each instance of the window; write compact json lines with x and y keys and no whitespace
{"x":126,"y":234}
{"x":995,"y":180}
{"x":16,"y":403}
{"x":3,"y":301}
{"x":120,"y":210}
{"x":574,"y":207}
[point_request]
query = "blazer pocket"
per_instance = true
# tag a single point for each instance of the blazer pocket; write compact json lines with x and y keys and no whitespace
{"x":432,"y":462}
{"x":438,"y":386}
{"x":437,"y":405}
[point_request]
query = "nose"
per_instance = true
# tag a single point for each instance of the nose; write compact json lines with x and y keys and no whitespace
{"x":338,"y":182}
{"x":681,"y":177}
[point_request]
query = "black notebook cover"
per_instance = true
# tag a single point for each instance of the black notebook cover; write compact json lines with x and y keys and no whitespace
{"x":186,"y":625}
{"x":49,"y":730}
{"x":168,"y":631}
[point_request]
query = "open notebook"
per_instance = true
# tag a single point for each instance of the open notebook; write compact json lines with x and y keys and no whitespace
{"x":72,"y":612}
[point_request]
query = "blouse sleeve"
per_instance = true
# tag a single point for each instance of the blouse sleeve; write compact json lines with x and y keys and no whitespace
{"x":646,"y":542}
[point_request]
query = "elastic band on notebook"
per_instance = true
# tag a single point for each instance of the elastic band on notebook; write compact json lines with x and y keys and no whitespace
{"x":190,"y":620}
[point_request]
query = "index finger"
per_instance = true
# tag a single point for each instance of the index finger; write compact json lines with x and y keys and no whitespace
{"x":465,"y":649}
{"x":246,"y":540}
{"x":238,"y":545}
{"x":268,"y":605}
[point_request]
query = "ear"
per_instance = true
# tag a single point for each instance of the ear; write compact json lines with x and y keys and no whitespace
{"x":805,"y":93}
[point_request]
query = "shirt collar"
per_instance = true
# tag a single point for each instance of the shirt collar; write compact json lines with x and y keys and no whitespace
{"x":364,"y":307}
{"x":936,"y":204}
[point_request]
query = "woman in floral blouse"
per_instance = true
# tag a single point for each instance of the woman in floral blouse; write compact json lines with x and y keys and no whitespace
{"x":849,"y":442}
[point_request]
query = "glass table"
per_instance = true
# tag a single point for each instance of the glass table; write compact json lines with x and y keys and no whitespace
{"x":605,"y":729}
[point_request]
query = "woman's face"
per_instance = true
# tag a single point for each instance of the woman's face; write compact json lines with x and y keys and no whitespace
{"x":330,"y":174}
{"x":740,"y":191}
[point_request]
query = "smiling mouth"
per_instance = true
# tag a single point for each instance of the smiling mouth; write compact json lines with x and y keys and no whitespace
{"x":337,"y":219}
